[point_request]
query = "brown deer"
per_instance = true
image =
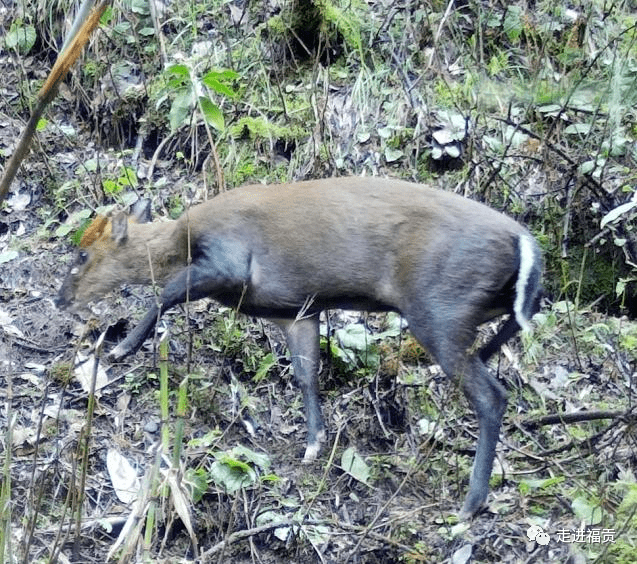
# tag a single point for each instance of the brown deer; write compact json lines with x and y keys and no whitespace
{"x":286,"y":252}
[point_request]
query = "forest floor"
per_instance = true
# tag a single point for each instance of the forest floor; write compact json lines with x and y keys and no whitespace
{"x":401,"y":437}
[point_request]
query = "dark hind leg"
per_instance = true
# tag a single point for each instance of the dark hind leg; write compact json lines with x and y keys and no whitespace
{"x":485,"y":394}
{"x":488,"y":399}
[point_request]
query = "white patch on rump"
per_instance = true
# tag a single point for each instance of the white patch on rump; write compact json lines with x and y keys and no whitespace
{"x":527,"y":259}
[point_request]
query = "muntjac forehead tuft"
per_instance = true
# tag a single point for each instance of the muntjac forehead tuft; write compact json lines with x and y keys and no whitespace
{"x":94,"y":231}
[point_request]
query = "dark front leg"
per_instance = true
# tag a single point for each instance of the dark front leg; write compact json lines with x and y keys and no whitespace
{"x":174,"y":293}
{"x":302,"y":336}
{"x":132,"y":343}
{"x":219,"y":268}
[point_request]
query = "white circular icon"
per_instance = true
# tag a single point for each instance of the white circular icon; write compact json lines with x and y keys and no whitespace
{"x":536,"y":533}
{"x":542,"y":538}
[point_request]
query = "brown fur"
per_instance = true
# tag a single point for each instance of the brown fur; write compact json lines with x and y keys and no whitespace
{"x":287,"y":252}
{"x":94,"y":231}
{"x":398,"y":216}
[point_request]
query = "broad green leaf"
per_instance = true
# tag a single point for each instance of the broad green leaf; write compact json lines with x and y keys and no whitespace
{"x":353,"y":336}
{"x":392,"y":155}
{"x":222,"y":75}
{"x":89,"y":165}
{"x":178,"y":76}
{"x":180,"y":110}
{"x":587,"y":510}
{"x":620,"y":287}
{"x":549,"y":108}
{"x":122,"y":28}
{"x":212,"y":113}
{"x":128,"y":177}
{"x":593,"y":166}
{"x":394,"y":323}
{"x":220,"y":88}
{"x":179,"y":69}
{"x":110,"y":186}
{"x":346,"y":356}
{"x":257,"y":458}
{"x":210,"y":438}
{"x":355,"y":466}
{"x":526,"y":486}
{"x":578,"y":129}
{"x":214,"y":80}
{"x":20,"y":37}
{"x":140,"y":7}
{"x":63,"y":230}
{"x":8,"y":256}
{"x":617,"y":212}
{"x":232,"y":474}
{"x":197,"y":483}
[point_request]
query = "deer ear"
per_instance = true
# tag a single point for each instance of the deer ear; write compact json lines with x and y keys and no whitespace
{"x":141,"y":211}
{"x":119,"y":232}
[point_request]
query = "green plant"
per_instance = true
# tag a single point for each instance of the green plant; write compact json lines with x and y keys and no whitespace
{"x":125,"y":180}
{"x":261,"y":128}
{"x":238,"y":468}
{"x":189,"y":92}
{"x":21,"y":37}
{"x":355,"y":347}
{"x":348,"y":20}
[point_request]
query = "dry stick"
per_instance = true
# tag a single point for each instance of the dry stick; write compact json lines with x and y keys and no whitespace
{"x":247,"y":533}
{"x":87,"y":445}
{"x":187,"y":304}
{"x":47,"y":93}
{"x":62,"y":534}
{"x":80,"y":17}
{"x":443,"y":22}
{"x":584,"y":446}
{"x":239,"y":535}
{"x":5,"y":495}
{"x":154,"y":16}
{"x":31,"y":519}
{"x":575,"y":417}
{"x":593,"y":184}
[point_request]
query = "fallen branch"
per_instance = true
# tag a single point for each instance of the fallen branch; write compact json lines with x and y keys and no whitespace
{"x":576,"y":417}
{"x":240,"y":535}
